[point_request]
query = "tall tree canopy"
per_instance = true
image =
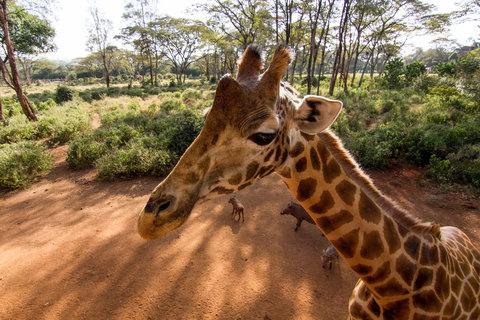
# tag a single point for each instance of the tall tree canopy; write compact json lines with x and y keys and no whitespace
{"x":21,"y":33}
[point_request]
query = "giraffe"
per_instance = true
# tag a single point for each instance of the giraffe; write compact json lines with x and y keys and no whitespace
{"x":407,"y":268}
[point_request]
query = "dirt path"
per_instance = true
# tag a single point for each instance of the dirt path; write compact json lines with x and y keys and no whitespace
{"x":69,"y":250}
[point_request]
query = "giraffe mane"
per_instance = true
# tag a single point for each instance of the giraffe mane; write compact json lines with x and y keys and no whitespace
{"x":352,"y":169}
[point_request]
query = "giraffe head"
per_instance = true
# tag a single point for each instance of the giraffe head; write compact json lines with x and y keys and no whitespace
{"x":245,"y":137}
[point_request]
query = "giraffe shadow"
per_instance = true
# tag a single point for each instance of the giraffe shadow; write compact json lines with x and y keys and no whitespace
{"x":231,"y":222}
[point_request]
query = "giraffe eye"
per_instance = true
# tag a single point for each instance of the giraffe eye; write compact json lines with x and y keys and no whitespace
{"x":262,"y":138}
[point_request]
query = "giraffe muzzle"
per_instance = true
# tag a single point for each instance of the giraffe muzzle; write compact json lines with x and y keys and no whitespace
{"x":162,"y":215}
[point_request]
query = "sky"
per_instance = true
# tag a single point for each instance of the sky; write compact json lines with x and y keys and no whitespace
{"x":71,"y":20}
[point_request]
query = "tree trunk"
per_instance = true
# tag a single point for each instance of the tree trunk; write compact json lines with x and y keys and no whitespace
{"x":1,"y":111}
{"x":26,"y":106}
{"x":341,"y":40}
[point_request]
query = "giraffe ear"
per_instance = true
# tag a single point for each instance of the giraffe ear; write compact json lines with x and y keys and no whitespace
{"x":315,"y":114}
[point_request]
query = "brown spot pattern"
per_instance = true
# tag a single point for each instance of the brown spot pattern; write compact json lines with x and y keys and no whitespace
{"x":369,"y":211}
{"x":265,"y":171}
{"x":278,"y":153}
{"x":356,"y":310}
{"x":306,"y":189}
{"x":427,"y":301}
{"x":301,"y":165}
{"x":380,"y":275}
{"x":391,"y":236}
{"x":362,"y":269}
{"x":222,"y":190}
{"x":373,"y":307}
{"x":429,"y":255}
{"x":331,"y":171}
{"x":424,"y":278}
{"x":214,"y":139}
{"x":405,"y":269}
{"x":442,"y":283}
{"x":346,"y":190}
{"x":251,"y":170}
{"x":268,"y":156}
{"x":326,"y":202}
{"x":297,"y":149}
{"x":347,"y":244}
{"x":307,"y":137}
{"x":411,"y":246}
{"x":397,"y":310}
{"x":333,"y":222}
{"x":372,"y":246}
{"x":236,"y":179}
{"x":314,"y":159}
{"x":391,"y":288}
{"x":243,"y":186}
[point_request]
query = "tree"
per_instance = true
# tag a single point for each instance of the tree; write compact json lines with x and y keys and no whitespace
{"x":98,"y":42}
{"x":140,"y":15}
{"x":340,"y":46}
{"x":244,"y":21}
{"x":25,"y":33}
{"x":180,"y":39}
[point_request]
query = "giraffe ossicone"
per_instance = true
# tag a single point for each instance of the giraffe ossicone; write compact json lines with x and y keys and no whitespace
{"x":257,"y":125}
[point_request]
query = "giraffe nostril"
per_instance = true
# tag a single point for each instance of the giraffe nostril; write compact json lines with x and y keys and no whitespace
{"x":149,"y":206}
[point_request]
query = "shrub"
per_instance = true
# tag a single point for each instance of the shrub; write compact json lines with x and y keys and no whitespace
{"x":445,"y":68}
{"x":137,"y":158}
{"x":414,"y":70}
{"x":17,"y":129}
{"x":393,"y":72}
{"x":462,"y":166}
{"x":64,"y":94}
{"x":191,"y":94}
{"x":50,"y":103}
{"x":132,"y":143}
{"x":84,"y":151}
{"x":22,"y":163}
{"x":170,"y":104}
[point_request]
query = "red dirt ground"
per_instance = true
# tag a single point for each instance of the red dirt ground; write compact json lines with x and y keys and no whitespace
{"x":69,"y":250}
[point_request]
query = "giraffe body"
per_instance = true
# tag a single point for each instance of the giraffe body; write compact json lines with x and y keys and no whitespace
{"x":407,"y":269}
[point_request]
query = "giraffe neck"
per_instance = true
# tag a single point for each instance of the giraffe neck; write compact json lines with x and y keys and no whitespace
{"x":373,"y":236}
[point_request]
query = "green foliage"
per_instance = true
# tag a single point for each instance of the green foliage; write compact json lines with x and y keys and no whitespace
{"x":57,"y":124}
{"x":432,"y":123}
{"x":171,"y":104}
{"x":131,"y":143}
{"x":468,"y":72}
{"x":414,"y":70}
{"x":394,"y":69}
{"x":445,"y":68}
{"x":64,"y":94}
{"x":191,"y":94}
{"x":314,"y":81}
{"x":22,"y":163}
{"x":29,"y":33}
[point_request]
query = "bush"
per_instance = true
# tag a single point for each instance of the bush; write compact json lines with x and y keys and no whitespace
{"x":191,"y":94}
{"x":139,"y":157}
{"x":131,"y":143}
{"x":414,"y":70}
{"x":445,"y":68}
{"x":22,"y":163}
{"x":171,"y":104}
{"x":58,"y":124}
{"x":64,"y":94}
{"x":393,"y":72}
{"x":462,"y":166}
